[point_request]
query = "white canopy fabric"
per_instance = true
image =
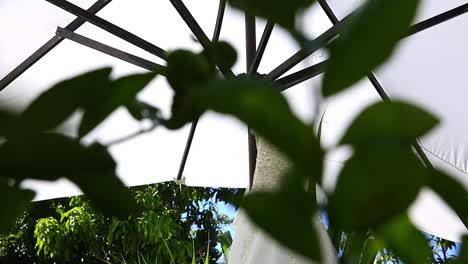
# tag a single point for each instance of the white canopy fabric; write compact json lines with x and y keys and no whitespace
{"x":428,"y":69}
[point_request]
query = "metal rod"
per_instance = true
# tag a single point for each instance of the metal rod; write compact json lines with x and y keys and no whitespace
{"x":116,"y":53}
{"x":111,"y":28}
{"x":251,"y":51}
{"x":219,"y":20}
{"x":188,"y":145}
{"x":301,"y":76}
{"x":436,"y":20}
{"x":48,"y":46}
{"x":380,"y":90}
{"x":196,"y":30}
{"x":308,"y":49}
{"x":261,"y":47}
{"x":333,"y":32}
{"x":194,"y":125}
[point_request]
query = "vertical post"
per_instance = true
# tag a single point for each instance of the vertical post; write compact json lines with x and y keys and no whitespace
{"x":251,"y":50}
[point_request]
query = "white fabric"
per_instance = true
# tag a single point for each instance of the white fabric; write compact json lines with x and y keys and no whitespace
{"x":428,"y":69}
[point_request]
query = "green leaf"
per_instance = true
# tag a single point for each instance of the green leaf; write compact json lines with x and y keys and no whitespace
{"x":194,"y":258}
{"x":58,"y":103}
{"x":207,"y":257}
{"x":279,"y":11}
{"x":49,"y":157}
{"x":389,"y":120}
{"x":185,"y":72}
{"x":353,"y":247}
{"x":14,"y":203}
{"x":451,"y":191}
{"x":52,"y":156}
{"x":463,"y":256}
{"x":371,"y":247}
{"x":225,"y":240}
{"x":287,"y":217}
{"x":221,"y":54}
{"x":370,"y":40}
{"x":405,"y":240}
{"x":122,"y":91}
{"x":375,"y":185}
{"x":9,"y":123}
{"x":260,"y":105}
{"x":141,"y":110}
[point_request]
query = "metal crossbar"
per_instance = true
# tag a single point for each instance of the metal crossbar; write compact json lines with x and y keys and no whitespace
{"x":116,"y":53}
{"x":333,"y":32}
{"x":111,"y":28}
{"x":48,"y":46}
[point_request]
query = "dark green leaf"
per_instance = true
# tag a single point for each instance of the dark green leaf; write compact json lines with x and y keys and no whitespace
{"x":259,"y":104}
{"x":141,"y":110}
{"x":221,"y":54}
{"x":389,"y":120}
{"x":370,"y":40}
{"x":56,"y":104}
{"x":122,"y":91}
{"x":102,"y":186}
{"x":405,"y":240}
{"x":225,"y":240}
{"x":9,"y":123}
{"x":353,"y":247}
{"x":52,"y":156}
{"x":107,"y":192}
{"x":451,"y":191}
{"x":375,"y":185}
{"x":14,"y":203}
{"x":463,"y":256}
{"x":49,"y":157}
{"x":287,"y":217}
{"x":281,"y":12}
{"x":371,"y":247}
{"x":185,"y":72}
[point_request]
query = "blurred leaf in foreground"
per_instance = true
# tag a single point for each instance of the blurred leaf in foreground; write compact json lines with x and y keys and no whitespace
{"x":371,"y":38}
{"x":15,"y":202}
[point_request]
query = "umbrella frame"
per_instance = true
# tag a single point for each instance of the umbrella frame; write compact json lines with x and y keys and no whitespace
{"x":254,"y":54}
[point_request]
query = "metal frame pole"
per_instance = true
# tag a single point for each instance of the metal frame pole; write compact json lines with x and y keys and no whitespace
{"x":414,"y":29}
{"x":116,"y":53}
{"x":333,"y":32}
{"x":301,"y":76}
{"x":219,"y":20}
{"x":111,"y":28}
{"x":251,"y":51}
{"x":309,"y":48}
{"x":48,"y":46}
{"x":193,"y":126}
{"x":196,"y":30}
{"x":253,"y":66}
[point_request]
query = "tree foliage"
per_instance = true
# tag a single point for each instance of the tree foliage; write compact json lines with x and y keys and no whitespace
{"x":174,"y":224}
